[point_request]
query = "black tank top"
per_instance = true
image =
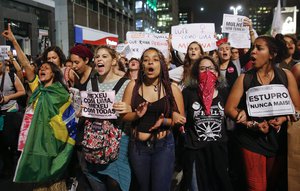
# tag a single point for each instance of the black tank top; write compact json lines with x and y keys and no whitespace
{"x":155,"y":109}
{"x":269,"y":144}
{"x":82,"y":87}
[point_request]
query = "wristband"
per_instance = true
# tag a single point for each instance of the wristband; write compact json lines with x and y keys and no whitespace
{"x":165,"y":122}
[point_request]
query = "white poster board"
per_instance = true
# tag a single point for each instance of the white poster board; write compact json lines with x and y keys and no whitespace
{"x":183,"y":35}
{"x":234,"y":23}
{"x":3,"y":52}
{"x":140,"y":41}
{"x":269,"y":100}
{"x":98,"y":104}
{"x":239,"y":40}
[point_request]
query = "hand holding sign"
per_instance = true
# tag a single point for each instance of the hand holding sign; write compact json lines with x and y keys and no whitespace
{"x":122,"y":107}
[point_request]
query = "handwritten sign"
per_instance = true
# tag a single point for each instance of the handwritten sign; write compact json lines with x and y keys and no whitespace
{"x":183,"y":35}
{"x":140,"y":41}
{"x":98,"y":104}
{"x":3,"y":52}
{"x":234,"y":23}
{"x":269,"y":100}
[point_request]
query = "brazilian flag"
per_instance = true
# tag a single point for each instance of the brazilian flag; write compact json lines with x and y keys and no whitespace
{"x":51,"y":136}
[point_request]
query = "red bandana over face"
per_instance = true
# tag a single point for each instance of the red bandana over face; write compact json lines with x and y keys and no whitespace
{"x":207,"y":82}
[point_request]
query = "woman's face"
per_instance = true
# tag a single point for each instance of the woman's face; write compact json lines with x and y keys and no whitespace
{"x":79,"y":65}
{"x":151,"y":64}
{"x":260,"y":54}
{"x":53,"y":57}
{"x":224,"y":52}
{"x":45,"y":73}
{"x":134,"y":65}
{"x":194,"y":52}
{"x":290,"y":45}
{"x":206,"y":65}
{"x":104,"y":61}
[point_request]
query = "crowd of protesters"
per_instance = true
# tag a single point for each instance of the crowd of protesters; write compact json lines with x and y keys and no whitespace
{"x":188,"y":115}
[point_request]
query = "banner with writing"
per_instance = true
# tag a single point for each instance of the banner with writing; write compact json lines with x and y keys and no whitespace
{"x":203,"y":33}
{"x":234,"y":23}
{"x":140,"y":41}
{"x":269,"y":100}
{"x":98,"y":104}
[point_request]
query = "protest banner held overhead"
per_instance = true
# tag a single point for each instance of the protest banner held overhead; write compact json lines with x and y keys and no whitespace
{"x":183,"y":35}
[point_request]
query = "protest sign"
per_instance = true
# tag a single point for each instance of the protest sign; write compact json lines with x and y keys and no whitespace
{"x":140,"y":41}
{"x":125,"y":50}
{"x":269,"y":100}
{"x":98,"y":104}
{"x":239,"y":40}
{"x":234,"y":23}
{"x":183,"y":35}
{"x":3,"y":52}
{"x":75,"y":97}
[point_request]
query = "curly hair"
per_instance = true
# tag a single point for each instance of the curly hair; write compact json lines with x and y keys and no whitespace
{"x":59,"y":53}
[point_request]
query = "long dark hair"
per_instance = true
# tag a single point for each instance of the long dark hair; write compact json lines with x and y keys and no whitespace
{"x":59,"y":53}
{"x":187,"y":61}
{"x":58,"y":76}
{"x":164,"y":81}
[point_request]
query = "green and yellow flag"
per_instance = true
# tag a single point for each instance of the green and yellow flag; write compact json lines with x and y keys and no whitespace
{"x":51,"y":136}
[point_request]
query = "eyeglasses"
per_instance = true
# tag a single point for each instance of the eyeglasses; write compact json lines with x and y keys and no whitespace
{"x":205,"y":68}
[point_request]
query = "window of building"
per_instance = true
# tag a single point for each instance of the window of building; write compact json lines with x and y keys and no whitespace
{"x":93,"y":5}
{"x":139,"y":24}
{"x":102,"y":9}
{"x":138,"y":6}
{"x":81,"y":2}
{"x":112,"y":14}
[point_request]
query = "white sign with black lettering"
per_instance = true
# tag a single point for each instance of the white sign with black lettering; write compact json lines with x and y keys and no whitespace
{"x":269,"y":100}
{"x":98,"y":104}
{"x":234,"y":23}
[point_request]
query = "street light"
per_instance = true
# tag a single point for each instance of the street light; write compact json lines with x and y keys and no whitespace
{"x":236,"y":9}
{"x":201,"y":9}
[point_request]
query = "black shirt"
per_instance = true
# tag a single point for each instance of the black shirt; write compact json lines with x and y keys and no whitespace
{"x":201,"y":129}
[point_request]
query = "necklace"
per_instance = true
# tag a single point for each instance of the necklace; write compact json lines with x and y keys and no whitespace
{"x":269,"y":77}
{"x":155,"y":87}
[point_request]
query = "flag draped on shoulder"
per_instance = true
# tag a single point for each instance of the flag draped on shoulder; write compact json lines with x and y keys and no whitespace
{"x":51,"y":136}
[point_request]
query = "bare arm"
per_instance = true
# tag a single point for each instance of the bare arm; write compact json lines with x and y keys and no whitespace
{"x":293,"y":90}
{"x":21,"y":56}
{"x":20,"y":91}
{"x":231,"y":107}
{"x":127,"y":96}
{"x":178,"y":118}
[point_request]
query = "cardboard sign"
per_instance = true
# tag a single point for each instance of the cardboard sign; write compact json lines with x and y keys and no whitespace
{"x":124,"y":49}
{"x":98,"y":104}
{"x":234,"y":23}
{"x":140,"y":41}
{"x":3,"y":52}
{"x":269,"y":100}
{"x":183,"y":35}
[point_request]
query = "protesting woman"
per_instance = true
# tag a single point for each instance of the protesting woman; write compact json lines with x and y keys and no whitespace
{"x":51,"y":134}
{"x":263,"y":140}
{"x":154,"y":100}
{"x":107,"y":173}
{"x":205,"y":154}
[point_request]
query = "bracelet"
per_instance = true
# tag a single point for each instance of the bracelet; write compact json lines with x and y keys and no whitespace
{"x":165,"y":122}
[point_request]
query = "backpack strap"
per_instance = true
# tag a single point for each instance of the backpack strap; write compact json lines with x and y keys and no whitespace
{"x":94,"y":81}
{"x":248,"y":79}
{"x":119,"y":84}
{"x":282,"y":76}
